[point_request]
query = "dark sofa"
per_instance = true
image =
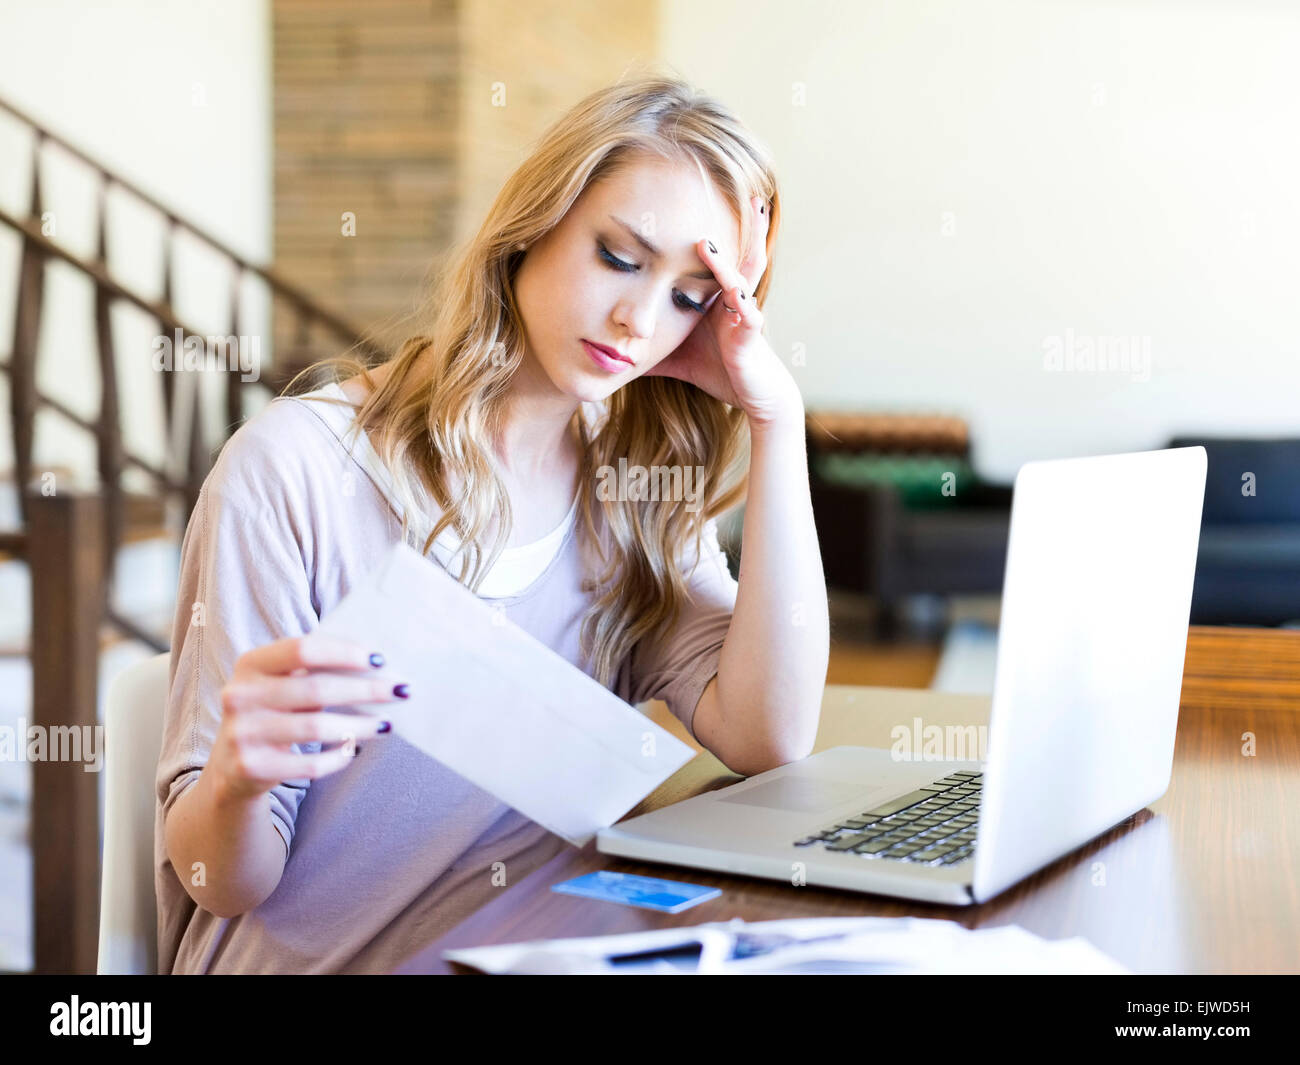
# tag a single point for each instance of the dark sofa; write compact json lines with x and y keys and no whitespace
{"x":1248,"y":564}
{"x":886,"y":527}
{"x":887,"y":532}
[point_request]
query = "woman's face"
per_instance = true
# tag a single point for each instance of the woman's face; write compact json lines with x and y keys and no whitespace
{"x":591,"y":278}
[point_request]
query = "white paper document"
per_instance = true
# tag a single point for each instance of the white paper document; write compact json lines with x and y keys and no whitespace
{"x":897,"y":946}
{"x":499,"y":707}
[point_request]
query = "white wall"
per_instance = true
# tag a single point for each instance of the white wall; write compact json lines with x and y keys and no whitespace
{"x":174,"y":96}
{"x":1106,"y":169}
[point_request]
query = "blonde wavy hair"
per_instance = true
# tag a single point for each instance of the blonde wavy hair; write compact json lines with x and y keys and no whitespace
{"x":432,"y":427}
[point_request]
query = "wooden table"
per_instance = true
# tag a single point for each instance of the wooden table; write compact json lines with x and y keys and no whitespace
{"x":1203,"y":881}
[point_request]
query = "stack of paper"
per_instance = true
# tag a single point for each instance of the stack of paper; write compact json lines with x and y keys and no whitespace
{"x":825,"y":945}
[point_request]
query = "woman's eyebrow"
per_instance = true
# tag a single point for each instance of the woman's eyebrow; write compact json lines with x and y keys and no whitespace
{"x":704,"y":275}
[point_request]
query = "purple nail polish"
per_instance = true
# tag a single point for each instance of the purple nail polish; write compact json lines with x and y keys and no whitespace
{"x":402,"y":691}
{"x":385,"y":726}
{"x":376,"y":660}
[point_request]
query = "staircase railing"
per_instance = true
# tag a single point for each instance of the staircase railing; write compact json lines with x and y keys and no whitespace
{"x":70,"y":539}
{"x":317,"y":331}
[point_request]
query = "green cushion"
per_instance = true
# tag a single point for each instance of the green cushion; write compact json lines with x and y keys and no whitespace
{"x":920,"y":479}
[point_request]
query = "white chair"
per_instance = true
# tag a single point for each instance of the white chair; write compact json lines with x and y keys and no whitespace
{"x":128,"y":908}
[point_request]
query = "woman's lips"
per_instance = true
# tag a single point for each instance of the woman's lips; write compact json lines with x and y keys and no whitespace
{"x":606,"y":357}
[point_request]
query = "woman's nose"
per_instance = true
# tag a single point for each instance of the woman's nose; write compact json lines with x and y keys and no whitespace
{"x":637,"y":317}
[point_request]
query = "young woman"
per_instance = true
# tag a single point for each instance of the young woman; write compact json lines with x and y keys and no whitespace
{"x":608,"y":309}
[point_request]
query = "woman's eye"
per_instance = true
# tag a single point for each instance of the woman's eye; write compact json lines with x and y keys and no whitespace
{"x":683,"y":301}
{"x":617,"y":264}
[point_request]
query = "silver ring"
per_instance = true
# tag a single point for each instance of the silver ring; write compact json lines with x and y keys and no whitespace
{"x":729,"y":310}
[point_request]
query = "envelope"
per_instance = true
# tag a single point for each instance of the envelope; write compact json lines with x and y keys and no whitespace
{"x":496,"y":705}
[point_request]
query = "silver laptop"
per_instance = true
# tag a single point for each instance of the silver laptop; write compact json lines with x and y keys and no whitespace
{"x":1095,"y":607}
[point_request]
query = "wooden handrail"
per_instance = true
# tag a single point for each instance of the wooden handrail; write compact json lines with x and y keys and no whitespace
{"x":161,"y":310}
{"x":282,"y":287}
{"x":38,"y":248}
{"x":70,"y":538}
{"x":164,"y":482}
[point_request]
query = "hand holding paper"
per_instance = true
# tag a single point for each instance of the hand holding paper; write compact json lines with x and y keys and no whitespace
{"x":497,"y":706}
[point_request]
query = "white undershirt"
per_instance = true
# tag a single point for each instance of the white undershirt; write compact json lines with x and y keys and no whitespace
{"x":515,"y":569}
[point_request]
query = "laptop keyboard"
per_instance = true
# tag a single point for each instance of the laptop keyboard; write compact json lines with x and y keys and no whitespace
{"x":934,"y":825}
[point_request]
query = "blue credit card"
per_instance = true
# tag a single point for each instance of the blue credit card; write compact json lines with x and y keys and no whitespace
{"x":666,"y":896}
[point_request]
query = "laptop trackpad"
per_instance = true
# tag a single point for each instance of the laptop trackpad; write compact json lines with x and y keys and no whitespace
{"x":800,"y":794}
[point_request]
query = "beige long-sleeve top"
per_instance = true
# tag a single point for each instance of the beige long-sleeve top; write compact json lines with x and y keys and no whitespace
{"x":391,"y":852}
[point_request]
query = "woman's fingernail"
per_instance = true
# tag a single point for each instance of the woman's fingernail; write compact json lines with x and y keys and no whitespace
{"x":402,"y":691}
{"x":385,"y":726}
{"x":376,"y":660}
{"x":712,"y":248}
{"x":356,"y":750}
